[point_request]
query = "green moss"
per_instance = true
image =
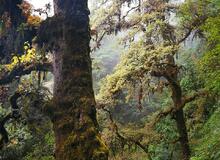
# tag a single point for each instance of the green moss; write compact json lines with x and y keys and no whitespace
{"x":87,"y":142}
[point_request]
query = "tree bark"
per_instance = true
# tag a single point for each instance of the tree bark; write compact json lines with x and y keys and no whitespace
{"x":170,"y":72}
{"x":179,"y":115}
{"x":74,"y":112}
{"x":181,"y":126}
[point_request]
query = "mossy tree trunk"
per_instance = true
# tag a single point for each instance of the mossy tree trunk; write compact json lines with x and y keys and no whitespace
{"x":74,"y":112}
{"x":179,"y":118}
{"x":170,"y":72}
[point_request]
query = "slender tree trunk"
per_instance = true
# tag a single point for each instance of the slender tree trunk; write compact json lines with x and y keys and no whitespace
{"x":170,"y":72}
{"x":74,"y":118}
{"x":179,"y":117}
{"x":181,"y":126}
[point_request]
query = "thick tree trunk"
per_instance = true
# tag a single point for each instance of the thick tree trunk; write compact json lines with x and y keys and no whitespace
{"x":74,"y":118}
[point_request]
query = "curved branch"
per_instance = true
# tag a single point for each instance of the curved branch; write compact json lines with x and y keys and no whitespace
{"x":127,"y":140}
{"x":187,"y":34}
{"x":13,"y":115}
{"x":170,"y":110}
{"x":193,"y":26}
{"x":98,"y":41}
{"x":130,"y":10}
{"x":190,"y":98}
{"x":4,"y":134}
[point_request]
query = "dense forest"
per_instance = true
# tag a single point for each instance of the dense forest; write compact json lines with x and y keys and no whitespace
{"x":110,"y":80}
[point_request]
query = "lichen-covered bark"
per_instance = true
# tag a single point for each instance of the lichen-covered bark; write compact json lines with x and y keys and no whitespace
{"x":180,"y":119}
{"x":170,"y":72}
{"x":74,"y":113}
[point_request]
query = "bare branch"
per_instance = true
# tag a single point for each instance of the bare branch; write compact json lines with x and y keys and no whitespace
{"x":133,"y":8}
{"x":185,"y":36}
{"x":98,"y":41}
{"x":193,"y":26}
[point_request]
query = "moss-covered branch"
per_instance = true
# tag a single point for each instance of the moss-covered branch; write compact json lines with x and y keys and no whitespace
{"x":23,"y":69}
{"x":194,"y":96}
{"x":123,"y":138}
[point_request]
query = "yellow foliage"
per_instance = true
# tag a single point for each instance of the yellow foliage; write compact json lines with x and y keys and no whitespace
{"x":34,"y":20}
{"x":28,"y":57}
